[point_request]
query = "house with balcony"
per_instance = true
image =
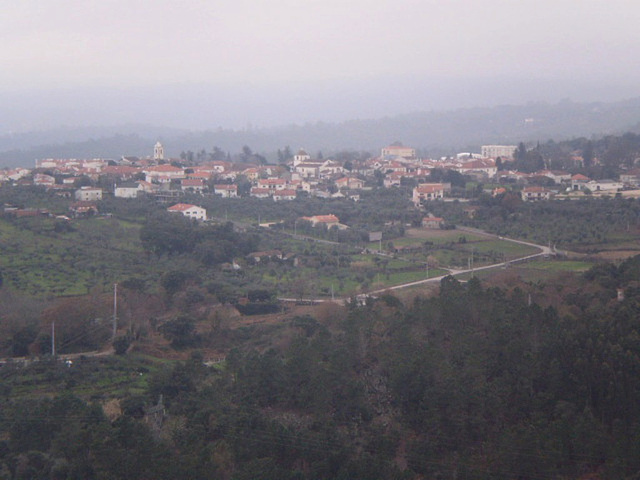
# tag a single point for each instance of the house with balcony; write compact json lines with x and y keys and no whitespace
{"x":535,"y":194}
{"x":427,"y":192}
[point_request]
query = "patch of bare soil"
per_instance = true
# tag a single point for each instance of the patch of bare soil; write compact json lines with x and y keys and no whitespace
{"x":427,"y":233}
{"x":616,"y":255}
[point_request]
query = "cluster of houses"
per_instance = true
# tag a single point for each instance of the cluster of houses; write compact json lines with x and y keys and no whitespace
{"x":168,"y":180}
{"x":559,"y":182}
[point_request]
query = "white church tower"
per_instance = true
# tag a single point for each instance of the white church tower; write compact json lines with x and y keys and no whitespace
{"x":300,"y":157}
{"x":158,"y":151}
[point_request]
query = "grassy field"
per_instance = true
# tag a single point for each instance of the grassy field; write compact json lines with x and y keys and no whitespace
{"x":535,"y":270}
{"x":559,"y":265}
{"x":41,"y":258}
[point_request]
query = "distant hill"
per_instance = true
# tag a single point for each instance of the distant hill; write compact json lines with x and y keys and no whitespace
{"x":433,"y":133}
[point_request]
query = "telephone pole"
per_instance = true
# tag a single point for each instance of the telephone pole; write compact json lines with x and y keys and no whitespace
{"x":115,"y":309}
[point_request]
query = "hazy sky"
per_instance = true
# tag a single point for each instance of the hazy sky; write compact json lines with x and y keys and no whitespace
{"x":261,"y":53}
{"x":142,"y":42}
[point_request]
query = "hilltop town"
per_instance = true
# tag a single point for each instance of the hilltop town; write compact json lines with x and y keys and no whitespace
{"x":168,"y":180}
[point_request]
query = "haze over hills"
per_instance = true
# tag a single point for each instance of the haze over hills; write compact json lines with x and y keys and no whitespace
{"x":434,"y":132}
{"x":318,"y":75}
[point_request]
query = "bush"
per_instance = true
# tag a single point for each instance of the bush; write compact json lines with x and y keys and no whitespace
{"x":121,"y":344}
{"x":258,"y":308}
{"x":181,"y":331}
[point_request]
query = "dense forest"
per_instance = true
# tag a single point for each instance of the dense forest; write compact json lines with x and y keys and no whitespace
{"x":475,"y":382}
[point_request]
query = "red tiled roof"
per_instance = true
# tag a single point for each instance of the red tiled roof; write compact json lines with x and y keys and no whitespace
{"x":192,"y":182}
{"x":429,"y":188}
{"x":180,"y":207}
{"x":284,"y":193}
{"x":164,"y":168}
{"x":579,"y":176}
{"x":322,"y":219}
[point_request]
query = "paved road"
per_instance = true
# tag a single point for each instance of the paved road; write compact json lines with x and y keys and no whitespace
{"x":543,"y":251}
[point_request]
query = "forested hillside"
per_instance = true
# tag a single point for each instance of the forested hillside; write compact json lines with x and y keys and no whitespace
{"x":475,"y":382}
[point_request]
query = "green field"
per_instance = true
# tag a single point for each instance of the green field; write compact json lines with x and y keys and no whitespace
{"x":41,"y":258}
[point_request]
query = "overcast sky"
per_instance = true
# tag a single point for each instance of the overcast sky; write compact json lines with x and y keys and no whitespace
{"x":140,"y":42}
{"x":134,"y":43}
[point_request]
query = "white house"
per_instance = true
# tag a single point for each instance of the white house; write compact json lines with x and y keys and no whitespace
{"x":308,"y":169}
{"x":427,"y":192}
{"x":328,"y":220}
{"x":285,"y":194}
{"x":88,"y":194}
{"x":272,"y":184}
{"x":191,"y":211}
{"x":226,"y":191}
{"x":195,"y":185}
{"x":557,"y":176}
{"x":532,"y":194}
{"x":353,"y":183}
{"x":260,"y":192}
{"x":579,"y":182}
{"x":604,"y":185}
{"x":631,"y":178}
{"x":432,"y":222}
{"x":484,"y":166}
{"x":127,"y":190}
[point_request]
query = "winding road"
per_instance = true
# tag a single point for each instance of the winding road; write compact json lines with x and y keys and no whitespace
{"x":543,"y":251}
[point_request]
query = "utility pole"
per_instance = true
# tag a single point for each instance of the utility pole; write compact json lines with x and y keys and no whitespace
{"x":115,"y":309}
{"x":472,"y":268}
{"x":53,"y":339}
